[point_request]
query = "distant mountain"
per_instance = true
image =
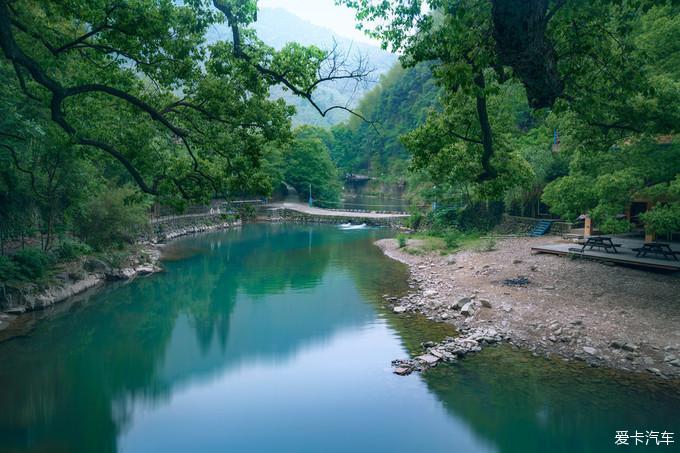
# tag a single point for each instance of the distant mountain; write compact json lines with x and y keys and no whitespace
{"x":277,"y":27}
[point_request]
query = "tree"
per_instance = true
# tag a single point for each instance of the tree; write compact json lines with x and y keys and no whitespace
{"x":588,"y":59}
{"x":134,"y":80}
{"x":606,"y":70}
{"x":306,"y":162}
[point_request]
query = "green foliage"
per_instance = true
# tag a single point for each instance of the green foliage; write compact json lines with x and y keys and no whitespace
{"x":30,"y":264}
{"x":615,"y":70}
{"x":113,"y":217}
{"x":571,"y":196}
{"x":415,"y":220}
{"x":472,"y":218}
{"x":9,"y":270}
{"x":402,"y":240}
{"x":452,"y":238}
{"x":306,"y":161}
{"x":69,"y":250}
{"x":604,"y":184}
{"x":663,"y":218}
{"x":115,"y":258}
{"x":442,"y":219}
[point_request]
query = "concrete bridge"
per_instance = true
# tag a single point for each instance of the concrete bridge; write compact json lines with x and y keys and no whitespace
{"x":314,"y":211}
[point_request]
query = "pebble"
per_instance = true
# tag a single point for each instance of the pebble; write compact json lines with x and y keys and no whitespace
{"x":430,"y":293}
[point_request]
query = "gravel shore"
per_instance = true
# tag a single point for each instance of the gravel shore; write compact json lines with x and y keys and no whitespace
{"x":611,"y":316}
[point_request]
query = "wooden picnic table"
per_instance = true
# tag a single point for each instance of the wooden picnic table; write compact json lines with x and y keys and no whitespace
{"x":657,"y":248}
{"x":604,"y":242}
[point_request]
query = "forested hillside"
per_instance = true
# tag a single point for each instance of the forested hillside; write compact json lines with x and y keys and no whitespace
{"x":398,"y":105}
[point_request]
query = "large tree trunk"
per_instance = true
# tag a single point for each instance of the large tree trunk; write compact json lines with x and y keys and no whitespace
{"x":487,"y":138}
{"x":519,"y":29}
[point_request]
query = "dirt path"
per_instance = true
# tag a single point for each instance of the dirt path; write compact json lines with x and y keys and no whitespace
{"x":606,"y":315}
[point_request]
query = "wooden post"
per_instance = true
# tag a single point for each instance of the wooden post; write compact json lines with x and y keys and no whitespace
{"x":649,"y":236}
{"x":588,"y":226}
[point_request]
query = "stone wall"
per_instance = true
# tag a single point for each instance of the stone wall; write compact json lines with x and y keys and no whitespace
{"x":166,"y":228}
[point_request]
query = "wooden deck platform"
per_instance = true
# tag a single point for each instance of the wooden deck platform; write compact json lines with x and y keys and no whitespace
{"x":624,"y":256}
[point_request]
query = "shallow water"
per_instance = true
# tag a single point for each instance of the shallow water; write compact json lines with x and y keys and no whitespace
{"x":274,"y":338}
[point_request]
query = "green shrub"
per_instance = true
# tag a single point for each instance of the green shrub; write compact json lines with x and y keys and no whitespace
{"x":402,"y":241}
{"x":32,"y":263}
{"x":415,"y":220}
{"x":114,"y":218}
{"x":9,"y":270}
{"x":69,"y":250}
{"x":442,"y":219}
{"x":245,"y":212}
{"x":452,"y":238}
{"x":115,"y":258}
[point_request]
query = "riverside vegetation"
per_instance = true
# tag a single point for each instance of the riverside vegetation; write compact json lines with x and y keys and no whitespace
{"x":114,"y":113}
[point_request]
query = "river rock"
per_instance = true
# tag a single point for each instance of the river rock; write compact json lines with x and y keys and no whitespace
{"x":590,"y":350}
{"x":617,"y":344}
{"x":145,"y":269}
{"x":126,"y":273}
{"x":485,"y":303}
{"x":399,"y":309}
{"x":428,"y":359}
{"x":430,"y":293}
{"x":629,"y":347}
{"x":468,"y":309}
{"x":461,"y":302}
{"x":654,"y":371}
{"x":450,"y":260}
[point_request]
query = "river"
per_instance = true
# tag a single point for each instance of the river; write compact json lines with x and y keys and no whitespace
{"x":274,"y":338}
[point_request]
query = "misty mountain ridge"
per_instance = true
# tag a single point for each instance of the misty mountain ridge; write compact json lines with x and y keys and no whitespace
{"x":276,"y":27}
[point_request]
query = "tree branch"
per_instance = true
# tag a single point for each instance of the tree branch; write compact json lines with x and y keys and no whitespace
{"x":281,"y":78}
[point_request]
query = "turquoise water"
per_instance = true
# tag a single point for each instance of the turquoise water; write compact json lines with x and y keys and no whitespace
{"x":274,"y":338}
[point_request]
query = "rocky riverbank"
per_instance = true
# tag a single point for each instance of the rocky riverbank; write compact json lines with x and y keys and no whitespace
{"x":90,"y":272}
{"x":608,"y":316}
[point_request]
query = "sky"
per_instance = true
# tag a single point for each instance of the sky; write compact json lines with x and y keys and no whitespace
{"x":325,"y":13}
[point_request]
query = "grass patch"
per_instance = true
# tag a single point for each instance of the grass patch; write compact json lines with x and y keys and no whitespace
{"x":445,"y":242}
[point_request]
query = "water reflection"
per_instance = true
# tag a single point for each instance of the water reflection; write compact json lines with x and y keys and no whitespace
{"x":274,"y":338}
{"x":207,"y":313}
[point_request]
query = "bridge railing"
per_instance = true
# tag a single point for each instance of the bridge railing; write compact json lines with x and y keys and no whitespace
{"x":358,"y":207}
